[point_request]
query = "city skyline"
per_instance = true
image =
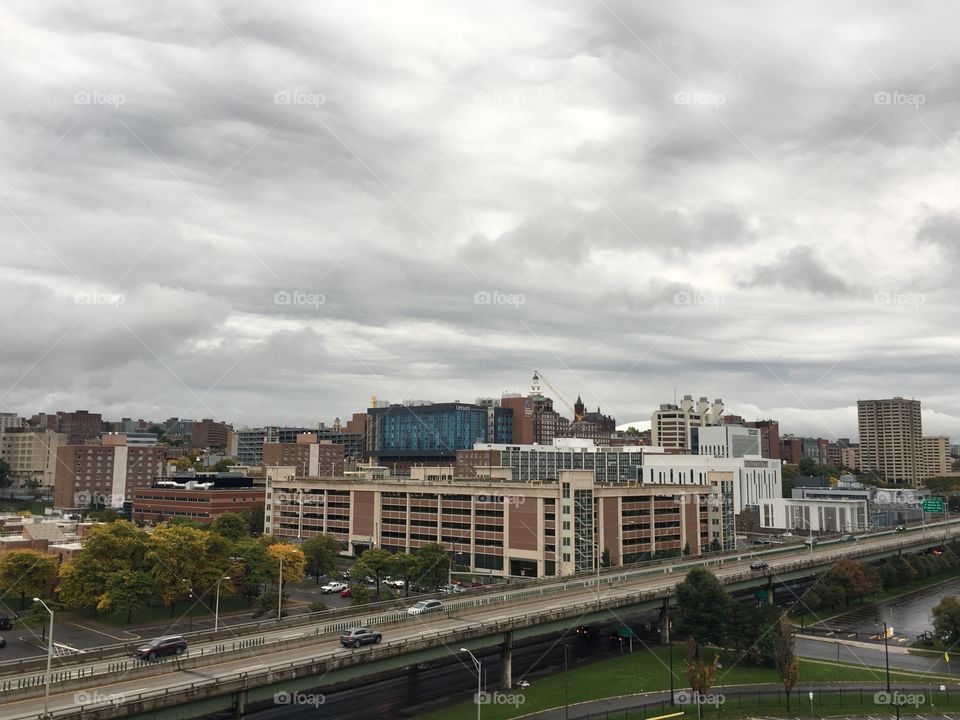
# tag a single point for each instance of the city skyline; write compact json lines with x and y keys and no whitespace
{"x":216,"y":212}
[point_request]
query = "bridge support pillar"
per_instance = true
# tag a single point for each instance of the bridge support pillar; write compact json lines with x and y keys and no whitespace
{"x":770,"y":589}
{"x":239,"y":704}
{"x":665,"y":622}
{"x":506,"y":661}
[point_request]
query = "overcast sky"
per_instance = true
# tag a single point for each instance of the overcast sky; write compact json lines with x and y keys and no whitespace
{"x":267,"y":213}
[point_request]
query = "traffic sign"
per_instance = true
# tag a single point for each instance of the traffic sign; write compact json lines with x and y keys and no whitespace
{"x":933,"y":505}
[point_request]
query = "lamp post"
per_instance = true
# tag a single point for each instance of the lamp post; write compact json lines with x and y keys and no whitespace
{"x":280,"y":591}
{"x":479,"y":675}
{"x":670,"y":644}
{"x":886,"y":654}
{"x":190,"y":590}
{"x":46,"y":678}
{"x":216,"y":607}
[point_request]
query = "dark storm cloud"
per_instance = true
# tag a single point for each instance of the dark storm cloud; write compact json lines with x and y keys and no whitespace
{"x":305,"y":205}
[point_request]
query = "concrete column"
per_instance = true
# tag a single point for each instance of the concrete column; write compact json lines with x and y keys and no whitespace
{"x":506,"y":662}
{"x":770,"y":589}
{"x":239,"y":704}
{"x":665,"y":622}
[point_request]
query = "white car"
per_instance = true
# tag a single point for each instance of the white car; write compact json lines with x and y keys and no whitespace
{"x":425,"y":606}
{"x":396,"y":584}
{"x":333,"y":587}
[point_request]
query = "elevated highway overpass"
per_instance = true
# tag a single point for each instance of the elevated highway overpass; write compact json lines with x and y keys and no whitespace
{"x":223,"y":674}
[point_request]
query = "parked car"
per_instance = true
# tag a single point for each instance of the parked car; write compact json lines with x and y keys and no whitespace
{"x":399,"y":584}
{"x":451,"y":589}
{"x":6,"y":623}
{"x":346,"y":592}
{"x":425,"y":606}
{"x":333,"y":587}
{"x":900,"y":528}
{"x":355,"y":637}
{"x":847,"y":538}
{"x":759,"y":565}
{"x":476,"y":583}
{"x":3,"y":642}
{"x":810,"y":541}
{"x":158,"y":647}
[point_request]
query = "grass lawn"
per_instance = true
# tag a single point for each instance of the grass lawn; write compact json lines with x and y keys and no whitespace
{"x":645,"y":671}
{"x":811,"y":618}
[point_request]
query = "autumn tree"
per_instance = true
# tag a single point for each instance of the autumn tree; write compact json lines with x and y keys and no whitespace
{"x":700,"y":673}
{"x":787,"y":662}
{"x":127,"y":592}
{"x":184,"y":560}
{"x":110,"y":548}
{"x":27,"y":573}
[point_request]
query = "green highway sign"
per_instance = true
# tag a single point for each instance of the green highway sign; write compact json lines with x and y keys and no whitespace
{"x":933,"y":505}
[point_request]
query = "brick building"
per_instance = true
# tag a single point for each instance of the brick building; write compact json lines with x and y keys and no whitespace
{"x":306,"y":455}
{"x":104,"y":474}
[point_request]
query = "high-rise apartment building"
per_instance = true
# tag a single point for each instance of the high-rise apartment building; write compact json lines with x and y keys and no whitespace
{"x":9,"y":420}
{"x":891,"y":439}
{"x":208,"y":433}
{"x":307,"y":456}
{"x":104,"y":474}
{"x":79,"y":426}
{"x":671,"y":425}
{"x":32,"y":455}
{"x":936,"y":456}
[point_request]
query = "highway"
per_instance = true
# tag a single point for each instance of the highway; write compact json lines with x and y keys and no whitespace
{"x":109,"y":685}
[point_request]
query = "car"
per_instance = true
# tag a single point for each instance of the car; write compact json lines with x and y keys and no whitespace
{"x":847,"y":538}
{"x":6,"y":623}
{"x":810,"y":541}
{"x":900,"y":528}
{"x":476,"y":583}
{"x":3,"y":642}
{"x":346,"y":592}
{"x":451,"y":589}
{"x":158,"y":647}
{"x":786,"y":534}
{"x":399,"y":584}
{"x":759,"y":565}
{"x":355,"y":637}
{"x":425,"y":606}
{"x":586,"y":632}
{"x":333,"y":587}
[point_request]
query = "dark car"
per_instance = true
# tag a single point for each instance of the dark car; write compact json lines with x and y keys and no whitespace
{"x":586,"y":632}
{"x":3,"y":642}
{"x":759,"y":565}
{"x":901,"y":528}
{"x":5,"y":622}
{"x":161,"y":646}
{"x":355,"y":637}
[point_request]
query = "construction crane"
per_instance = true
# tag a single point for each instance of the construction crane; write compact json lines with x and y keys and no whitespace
{"x":535,"y":387}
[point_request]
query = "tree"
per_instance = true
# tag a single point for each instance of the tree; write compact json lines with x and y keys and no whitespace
{"x":179,"y":561}
{"x":375,"y":562}
{"x":293,"y":561}
{"x":686,"y":548}
{"x":605,"y":558}
{"x":127,"y":592}
{"x":223,"y":465}
{"x":109,"y":548}
{"x":255,"y":518}
{"x":946,"y":620}
{"x":752,"y":631}
{"x":27,"y":573}
{"x":703,"y":608}
{"x":255,"y":566}
{"x":807,"y":467}
{"x":360,"y":595}
{"x":853,"y":578}
{"x":321,"y":553}
{"x":631,"y":432}
{"x":746,"y":521}
{"x":405,"y":567}
{"x":788,"y":664}
{"x":699,"y":673}
{"x":107,"y":515}
{"x":233,"y":526}
{"x":434,"y":565}
{"x":4,"y":474}
{"x":715,"y":545}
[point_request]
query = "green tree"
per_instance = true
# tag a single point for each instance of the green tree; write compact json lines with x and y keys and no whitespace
{"x":127,"y":592}
{"x":703,"y":608}
{"x":27,"y":573}
{"x":746,"y":521}
{"x":946,"y":620}
{"x":405,"y":567}
{"x":686,"y":548}
{"x":255,"y":518}
{"x":360,"y":595}
{"x":715,"y":545}
{"x":751,"y":630}
{"x":787,"y":662}
{"x":434,"y":565}
{"x":321,"y":553}
{"x":807,"y":467}
{"x":375,"y":562}
{"x":605,"y":558}
{"x":233,"y":526}
{"x":255,"y":567}
{"x":5,"y":480}
{"x":107,"y":515}
{"x":109,"y":548}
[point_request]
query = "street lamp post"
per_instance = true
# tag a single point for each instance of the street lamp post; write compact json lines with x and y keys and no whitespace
{"x":280,"y":591}
{"x":46,"y":678}
{"x":886,"y":654}
{"x":670,"y":644}
{"x":216,"y":607}
{"x":479,"y":675}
